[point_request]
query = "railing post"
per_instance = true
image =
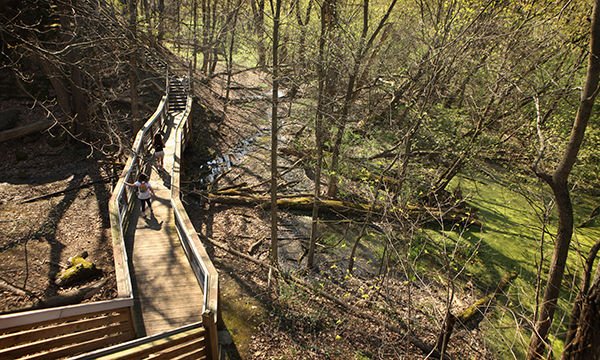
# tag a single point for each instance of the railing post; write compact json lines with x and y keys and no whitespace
{"x":190,"y":79}
{"x":212,"y":337}
{"x":167,"y":82}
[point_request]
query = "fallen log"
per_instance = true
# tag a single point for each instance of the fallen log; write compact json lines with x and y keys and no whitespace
{"x":21,"y":131}
{"x":74,"y":296}
{"x":304,"y":203}
{"x":472,"y":314}
{"x":69,"y":297}
{"x":5,"y":285}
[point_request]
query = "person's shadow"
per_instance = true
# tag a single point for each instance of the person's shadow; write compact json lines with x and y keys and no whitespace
{"x":165,"y":176}
{"x":152,"y":222}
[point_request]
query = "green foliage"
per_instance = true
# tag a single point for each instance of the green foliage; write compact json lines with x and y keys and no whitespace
{"x":510,"y":241}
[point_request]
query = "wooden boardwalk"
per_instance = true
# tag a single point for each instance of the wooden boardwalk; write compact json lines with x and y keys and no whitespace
{"x":165,"y":287}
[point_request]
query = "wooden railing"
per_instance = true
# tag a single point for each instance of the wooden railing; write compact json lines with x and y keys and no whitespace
{"x":122,"y":201}
{"x":68,"y":330}
{"x":200,"y":261}
{"x":188,"y":341}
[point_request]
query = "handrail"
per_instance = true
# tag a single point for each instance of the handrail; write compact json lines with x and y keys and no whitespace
{"x":37,"y":316}
{"x":199,"y":259}
{"x":121,"y":204}
{"x":135,"y":342}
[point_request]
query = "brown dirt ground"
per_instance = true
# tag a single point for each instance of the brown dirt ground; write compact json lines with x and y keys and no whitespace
{"x":37,"y":238}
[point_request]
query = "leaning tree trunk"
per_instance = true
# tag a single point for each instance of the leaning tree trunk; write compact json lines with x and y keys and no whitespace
{"x":558,"y":181}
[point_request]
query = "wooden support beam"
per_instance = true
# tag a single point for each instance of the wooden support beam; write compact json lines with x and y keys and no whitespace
{"x":212,"y":337}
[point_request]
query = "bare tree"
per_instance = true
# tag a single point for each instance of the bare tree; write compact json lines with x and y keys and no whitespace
{"x":558,"y":182}
{"x":364,"y":46}
{"x":327,"y":17}
{"x":276,"y":10}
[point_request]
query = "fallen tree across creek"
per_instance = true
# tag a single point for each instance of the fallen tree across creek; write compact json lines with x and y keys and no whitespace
{"x":304,"y":202}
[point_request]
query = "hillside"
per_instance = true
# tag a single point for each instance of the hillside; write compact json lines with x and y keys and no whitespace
{"x":371,"y":180}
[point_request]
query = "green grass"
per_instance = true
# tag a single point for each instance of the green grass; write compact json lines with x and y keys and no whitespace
{"x":510,"y":241}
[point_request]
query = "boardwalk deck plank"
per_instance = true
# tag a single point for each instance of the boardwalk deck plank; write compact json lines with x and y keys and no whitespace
{"x":166,"y":289}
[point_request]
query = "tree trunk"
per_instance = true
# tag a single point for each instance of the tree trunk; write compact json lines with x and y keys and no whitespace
{"x":576,"y":334}
{"x":63,"y":97}
{"x":318,"y":140}
{"x":80,"y":103}
{"x":303,"y":24}
{"x":205,"y":33}
{"x":258,"y":10}
{"x":274,"y":131}
{"x":133,"y":78}
{"x":195,"y":34}
{"x":560,"y":187}
{"x":229,"y":58}
{"x":161,"y":21}
{"x":18,"y":132}
{"x":586,"y":345}
{"x":447,"y":329}
{"x":146,"y":8}
{"x":214,"y":40}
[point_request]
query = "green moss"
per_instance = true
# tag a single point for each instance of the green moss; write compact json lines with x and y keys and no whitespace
{"x":80,"y":269}
{"x":242,"y":313}
{"x":510,"y":241}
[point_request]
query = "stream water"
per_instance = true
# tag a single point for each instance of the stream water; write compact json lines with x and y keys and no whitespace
{"x":210,"y":170}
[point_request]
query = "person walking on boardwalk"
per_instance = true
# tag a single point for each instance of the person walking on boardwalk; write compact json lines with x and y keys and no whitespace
{"x":145,"y":192}
{"x":159,"y":153}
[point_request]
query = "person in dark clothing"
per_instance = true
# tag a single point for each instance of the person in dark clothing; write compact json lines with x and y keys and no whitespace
{"x":159,"y":152}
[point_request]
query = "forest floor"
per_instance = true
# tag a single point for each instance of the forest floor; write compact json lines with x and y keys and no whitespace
{"x":330,"y":314}
{"x":38,"y":237}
